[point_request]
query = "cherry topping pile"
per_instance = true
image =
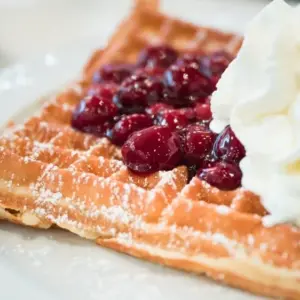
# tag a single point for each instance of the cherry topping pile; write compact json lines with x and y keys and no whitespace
{"x":158,"y":111}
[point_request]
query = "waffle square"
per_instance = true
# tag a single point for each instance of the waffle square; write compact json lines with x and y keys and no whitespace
{"x":52,"y":175}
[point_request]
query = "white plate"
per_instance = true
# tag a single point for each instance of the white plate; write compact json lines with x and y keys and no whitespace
{"x":36,"y":264}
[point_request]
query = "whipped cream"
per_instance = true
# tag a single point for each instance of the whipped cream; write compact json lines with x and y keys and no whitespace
{"x":259,"y":96}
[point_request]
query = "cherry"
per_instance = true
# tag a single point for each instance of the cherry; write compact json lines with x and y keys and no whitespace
{"x":152,"y":149}
{"x":114,"y":73}
{"x":170,"y":97}
{"x":95,"y":114}
{"x":189,"y":59}
{"x":187,"y":84}
{"x":188,"y":112}
{"x":157,"y":56}
{"x":216,"y":63}
{"x":157,"y":108}
{"x":214,"y":81}
{"x":203,"y":112}
{"x":93,"y":111}
{"x":100,"y":130}
{"x":219,"y":61}
{"x":174,"y":119}
{"x":227,"y":146}
{"x":223,"y":175}
{"x":106,"y":90}
{"x":155,"y":72}
{"x":127,"y":125}
{"x":137,"y":92}
{"x":203,"y":99}
{"x":208,"y":161}
{"x":198,"y":144}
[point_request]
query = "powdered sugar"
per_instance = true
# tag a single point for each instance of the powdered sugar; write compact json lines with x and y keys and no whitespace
{"x":223,"y":209}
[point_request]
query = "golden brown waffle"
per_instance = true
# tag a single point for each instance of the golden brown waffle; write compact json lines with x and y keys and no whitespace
{"x":51,"y":175}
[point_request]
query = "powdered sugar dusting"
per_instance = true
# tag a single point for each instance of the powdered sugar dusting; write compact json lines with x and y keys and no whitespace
{"x":116,"y":214}
{"x":223,"y":209}
{"x":167,"y":178}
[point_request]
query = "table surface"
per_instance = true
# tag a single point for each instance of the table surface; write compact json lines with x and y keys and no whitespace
{"x":32,"y":27}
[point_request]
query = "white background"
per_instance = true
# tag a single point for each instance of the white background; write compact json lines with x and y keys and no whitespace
{"x":29,"y":27}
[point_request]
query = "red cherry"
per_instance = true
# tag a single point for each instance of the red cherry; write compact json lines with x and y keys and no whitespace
{"x":170,"y":97}
{"x":152,"y":149}
{"x":100,"y":130}
{"x":93,"y":111}
{"x":216,"y":63}
{"x":174,"y":119}
{"x":106,"y":90}
{"x":94,"y":115}
{"x":219,"y":61}
{"x":227,"y":146}
{"x":137,"y":92}
{"x":189,"y":59}
{"x":157,"y":108}
{"x":198,"y":144}
{"x":203,"y":112}
{"x":188,"y":112}
{"x":186,"y":84}
{"x":114,"y":73}
{"x":223,"y":175}
{"x":154,"y":72}
{"x":208,"y":162}
{"x":157,"y":56}
{"x":203,"y":99}
{"x":127,"y":125}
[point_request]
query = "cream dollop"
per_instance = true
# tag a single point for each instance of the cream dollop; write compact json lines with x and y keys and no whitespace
{"x":259,"y":96}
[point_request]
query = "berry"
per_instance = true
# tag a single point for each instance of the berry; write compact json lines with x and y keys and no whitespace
{"x":216,"y":63}
{"x":203,"y":99}
{"x":223,"y":175}
{"x":188,"y":112}
{"x":208,"y":161}
{"x":227,"y":146}
{"x":157,"y":56}
{"x":198,"y":144}
{"x":137,"y":92}
{"x":186,"y":84}
{"x":155,"y":72}
{"x":189,"y":59}
{"x":127,"y":125}
{"x":98,"y":130}
{"x":219,"y":61}
{"x":93,"y":111}
{"x":152,"y":149}
{"x":203,"y":112}
{"x":174,"y":119}
{"x":113,"y":73}
{"x":106,"y":90}
{"x":157,"y":108}
{"x":170,"y":97}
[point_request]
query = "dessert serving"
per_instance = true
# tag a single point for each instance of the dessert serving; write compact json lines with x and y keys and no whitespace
{"x":178,"y":145}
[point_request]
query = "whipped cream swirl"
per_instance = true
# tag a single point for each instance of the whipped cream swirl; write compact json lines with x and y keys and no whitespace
{"x":259,"y":96}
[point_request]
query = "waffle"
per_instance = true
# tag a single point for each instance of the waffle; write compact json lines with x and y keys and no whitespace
{"x":52,"y":175}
